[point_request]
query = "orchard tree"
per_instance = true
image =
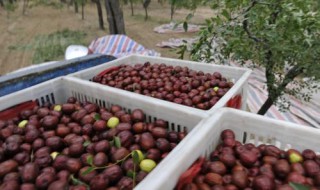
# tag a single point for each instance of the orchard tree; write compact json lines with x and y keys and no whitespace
{"x":274,"y":34}
{"x":115,"y":17}
{"x":131,"y":5}
{"x":99,"y":11}
{"x":146,"y":4}
{"x":76,"y":6}
{"x":188,"y":4}
{"x":82,"y":2}
{"x":24,"y":6}
{"x":10,"y":6}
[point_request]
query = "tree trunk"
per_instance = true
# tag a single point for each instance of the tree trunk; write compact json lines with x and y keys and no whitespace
{"x":71,"y":2}
{"x":172,"y":10}
{"x":82,"y":9}
{"x":145,"y":6}
{"x":146,"y":16}
{"x":25,"y":5}
{"x":131,"y":5}
{"x":1,"y":3}
{"x":265,"y":107}
{"x":115,"y":17}
{"x":76,"y":6}
{"x":289,"y":77}
{"x":63,"y":1}
{"x":99,"y":10}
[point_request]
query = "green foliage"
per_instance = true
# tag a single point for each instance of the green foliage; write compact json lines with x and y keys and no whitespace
{"x":188,"y":4}
{"x":297,"y":186}
{"x":117,"y":142}
{"x":135,"y":157}
{"x":281,"y":36}
{"x":132,"y":174}
{"x":90,"y":160}
{"x":51,"y":47}
{"x":76,"y":181}
{"x":50,"y":3}
{"x":81,"y":1}
{"x":97,"y":116}
{"x":86,"y":143}
{"x":126,"y":2}
{"x":10,"y":7}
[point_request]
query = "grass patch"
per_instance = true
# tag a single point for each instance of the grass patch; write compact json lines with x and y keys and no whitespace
{"x":52,"y":47}
{"x":52,"y":3}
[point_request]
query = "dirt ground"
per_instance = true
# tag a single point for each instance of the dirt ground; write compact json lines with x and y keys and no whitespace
{"x":22,"y":29}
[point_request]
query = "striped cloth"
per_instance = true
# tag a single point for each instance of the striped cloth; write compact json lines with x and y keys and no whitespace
{"x":119,"y":46}
{"x":303,"y":113}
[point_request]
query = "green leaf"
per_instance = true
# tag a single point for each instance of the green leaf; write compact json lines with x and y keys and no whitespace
{"x":175,"y":25}
{"x":111,"y":143}
{"x":76,"y":181}
{"x":90,"y":169}
{"x":117,"y":142}
{"x":131,"y":173}
{"x":185,"y":26}
{"x":86,"y":143}
{"x":214,"y":6}
{"x":189,"y":16}
{"x":135,"y":157}
{"x":297,"y":186}
{"x":90,"y":160}
{"x":97,"y":116}
{"x":226,"y":14}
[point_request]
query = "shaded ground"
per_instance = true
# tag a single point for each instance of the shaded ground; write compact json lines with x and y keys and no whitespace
{"x":18,"y":30}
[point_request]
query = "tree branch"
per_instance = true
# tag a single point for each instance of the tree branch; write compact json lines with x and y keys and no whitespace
{"x":270,"y":64}
{"x":274,"y":15}
{"x":250,"y":35}
{"x":245,"y":23}
{"x":269,"y":72}
{"x":292,"y":73}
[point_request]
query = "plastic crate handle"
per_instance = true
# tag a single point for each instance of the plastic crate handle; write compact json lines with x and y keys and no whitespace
{"x":108,"y":71}
{"x":14,"y":111}
{"x":235,"y":102}
{"x":190,"y":174}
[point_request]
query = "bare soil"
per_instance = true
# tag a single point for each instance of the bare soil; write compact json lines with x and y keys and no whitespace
{"x":17,"y":29}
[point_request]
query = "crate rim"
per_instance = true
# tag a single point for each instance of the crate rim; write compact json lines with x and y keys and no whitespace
{"x":245,"y":70}
{"x":242,"y":80}
{"x":49,"y":85}
{"x":200,"y":136}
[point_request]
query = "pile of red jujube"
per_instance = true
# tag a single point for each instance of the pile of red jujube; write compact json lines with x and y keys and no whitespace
{"x":177,"y":84}
{"x":235,"y":166}
{"x":81,"y":146}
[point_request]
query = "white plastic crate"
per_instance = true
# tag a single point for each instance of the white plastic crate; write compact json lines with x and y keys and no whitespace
{"x":240,"y":75}
{"x":248,"y":128}
{"x":58,"y":90}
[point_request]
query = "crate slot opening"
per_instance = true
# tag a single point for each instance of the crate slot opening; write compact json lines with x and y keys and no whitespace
{"x":244,"y":140}
{"x":172,"y":125}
